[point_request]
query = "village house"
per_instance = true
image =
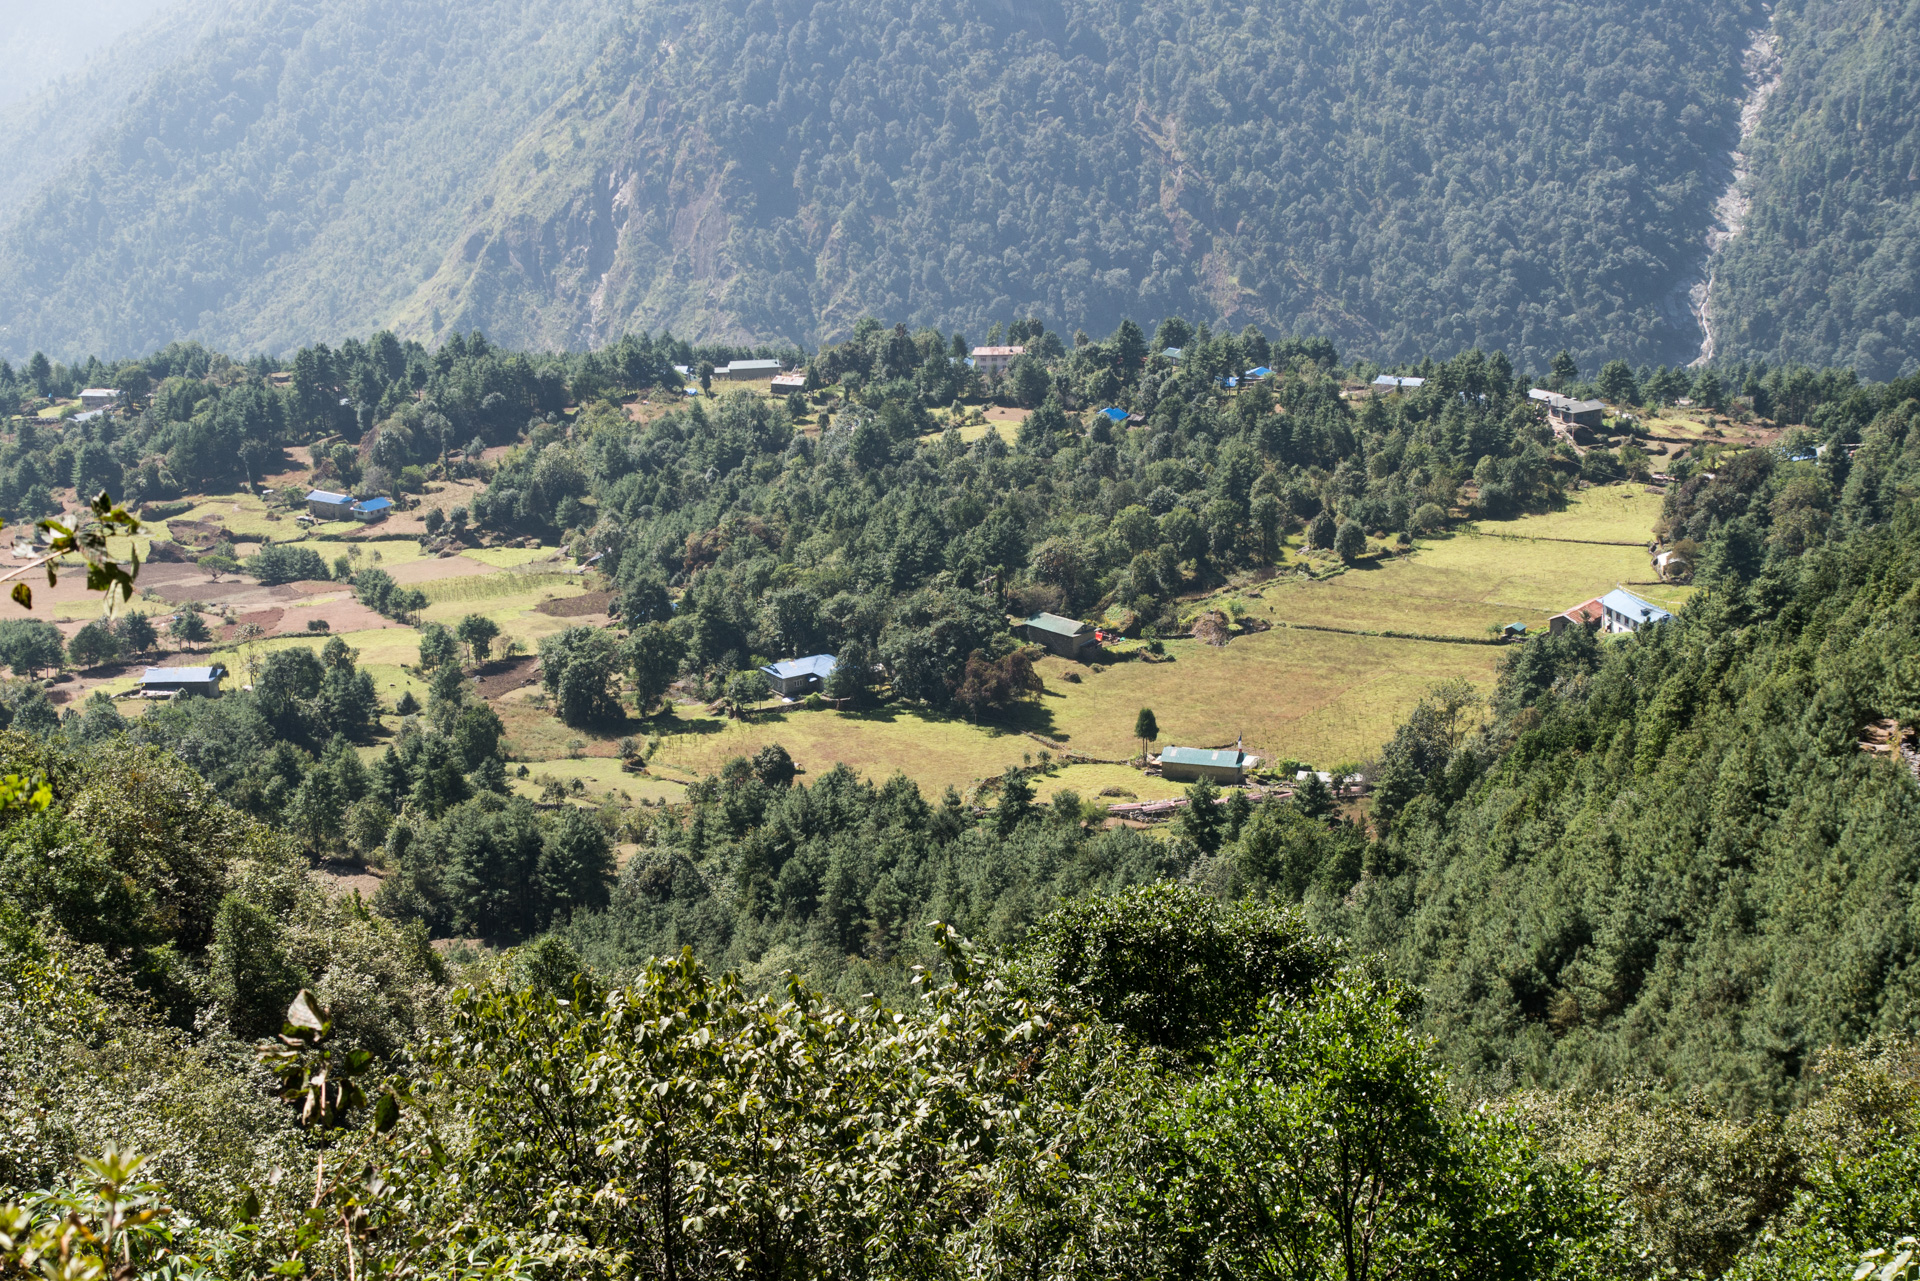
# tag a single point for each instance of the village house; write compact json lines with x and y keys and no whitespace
{"x":994,"y":360}
{"x":1567,"y":413}
{"x":1622,"y":611}
{"x":1396,"y":383}
{"x":747,"y":369}
{"x":326,"y":505}
{"x":795,"y":676}
{"x":1586,"y":614}
{"x":1191,"y":764}
{"x":166,"y":682}
{"x":1066,"y":637}
{"x":787,"y":383}
{"x":99,"y":397}
{"x":369,"y":510}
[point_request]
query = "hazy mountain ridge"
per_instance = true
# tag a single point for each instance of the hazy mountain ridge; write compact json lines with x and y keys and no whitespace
{"x":46,"y":128}
{"x":1512,"y":173}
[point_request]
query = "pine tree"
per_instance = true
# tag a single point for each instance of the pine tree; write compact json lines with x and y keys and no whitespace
{"x":1146,"y":729}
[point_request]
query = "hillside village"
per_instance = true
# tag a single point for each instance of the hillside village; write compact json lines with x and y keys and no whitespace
{"x":213,"y":615}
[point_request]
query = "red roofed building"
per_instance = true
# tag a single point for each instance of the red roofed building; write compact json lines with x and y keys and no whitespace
{"x":1587,"y":614}
{"x":994,"y":360}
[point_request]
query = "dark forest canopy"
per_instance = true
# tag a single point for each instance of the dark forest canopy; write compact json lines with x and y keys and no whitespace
{"x":1407,"y":179}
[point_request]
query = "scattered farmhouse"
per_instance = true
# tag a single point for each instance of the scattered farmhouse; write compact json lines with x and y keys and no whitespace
{"x":994,"y":360}
{"x":1574,"y":420}
{"x":748,"y":369}
{"x":796,"y":676}
{"x":1622,"y":611}
{"x":1670,"y":565}
{"x":795,"y":381}
{"x":166,"y":682}
{"x":1395,"y":383}
{"x":1173,"y":354}
{"x":1066,"y":637}
{"x":1191,"y":764}
{"x":99,"y":397}
{"x":327,"y":505}
{"x":1586,"y":614}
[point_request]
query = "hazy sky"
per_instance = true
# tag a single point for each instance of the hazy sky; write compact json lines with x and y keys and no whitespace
{"x":42,"y":40}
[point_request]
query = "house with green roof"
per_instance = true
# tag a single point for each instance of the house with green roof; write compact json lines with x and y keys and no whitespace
{"x":1066,"y":637}
{"x":1191,"y":764}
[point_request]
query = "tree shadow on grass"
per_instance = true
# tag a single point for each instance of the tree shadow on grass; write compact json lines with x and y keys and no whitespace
{"x":1024,"y":717}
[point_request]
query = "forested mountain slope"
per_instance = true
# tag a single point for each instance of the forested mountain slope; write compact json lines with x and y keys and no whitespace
{"x":298,"y":171}
{"x":64,"y":99}
{"x":1403,"y":178}
{"x":1827,"y":267}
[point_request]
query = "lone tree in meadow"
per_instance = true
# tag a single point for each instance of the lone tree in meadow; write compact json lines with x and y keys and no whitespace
{"x":1146,"y":729}
{"x":477,"y":632}
{"x":189,"y":628}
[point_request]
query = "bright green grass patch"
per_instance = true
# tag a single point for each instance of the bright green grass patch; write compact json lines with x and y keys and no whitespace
{"x":971,"y":432}
{"x":1385,"y":599}
{"x":242,"y":515}
{"x":1605,"y":513}
{"x":1463,"y":584}
{"x":600,"y":775}
{"x":508,"y":557}
{"x":1315,"y":696}
{"x":1090,"y":780}
{"x":381,"y":555}
{"x":935,"y":753}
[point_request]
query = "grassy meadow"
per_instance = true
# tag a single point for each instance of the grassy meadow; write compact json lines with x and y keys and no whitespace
{"x":1324,"y":696}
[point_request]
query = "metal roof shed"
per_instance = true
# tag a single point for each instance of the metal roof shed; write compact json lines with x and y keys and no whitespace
{"x":1067,"y":637}
{"x":799,"y":675}
{"x":159,"y":682}
{"x":1226,"y":765}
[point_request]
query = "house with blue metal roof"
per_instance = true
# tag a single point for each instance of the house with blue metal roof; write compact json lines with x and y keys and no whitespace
{"x":1261,"y":372}
{"x":1191,"y":764}
{"x":1115,"y":414}
{"x":368,"y":510}
{"x":799,"y":675}
{"x":167,"y":682}
{"x":1622,"y":611}
{"x":328,"y":505}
